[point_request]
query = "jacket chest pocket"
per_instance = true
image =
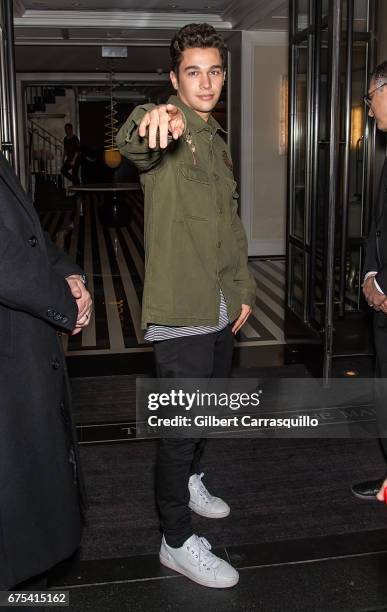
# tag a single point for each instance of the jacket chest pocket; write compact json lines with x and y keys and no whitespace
{"x":6,"y":332}
{"x":195,"y":192}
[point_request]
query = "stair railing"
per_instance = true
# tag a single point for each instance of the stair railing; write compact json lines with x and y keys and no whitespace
{"x":45,"y":153}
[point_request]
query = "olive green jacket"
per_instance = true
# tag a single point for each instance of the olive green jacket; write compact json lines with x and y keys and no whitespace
{"x":195,"y":243}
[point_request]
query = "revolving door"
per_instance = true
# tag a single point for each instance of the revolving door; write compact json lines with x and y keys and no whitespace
{"x":331,"y":145}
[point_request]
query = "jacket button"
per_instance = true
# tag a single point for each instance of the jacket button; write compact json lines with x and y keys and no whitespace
{"x":55,"y":364}
{"x":378,"y":233}
{"x":219,"y":244}
{"x":50,"y":312}
{"x":64,"y":319}
{"x":57,"y":317}
{"x":33,"y":241}
{"x":220,"y":211}
{"x":216,"y":177}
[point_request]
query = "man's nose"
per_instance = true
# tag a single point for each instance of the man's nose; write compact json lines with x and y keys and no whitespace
{"x":205,"y":81}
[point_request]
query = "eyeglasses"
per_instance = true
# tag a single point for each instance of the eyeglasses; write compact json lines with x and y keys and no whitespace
{"x":367,"y":99}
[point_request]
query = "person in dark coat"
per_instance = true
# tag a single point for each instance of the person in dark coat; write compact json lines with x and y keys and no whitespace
{"x":375,"y":283}
{"x":41,"y":490}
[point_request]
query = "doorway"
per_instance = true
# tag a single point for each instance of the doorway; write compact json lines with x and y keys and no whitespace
{"x":329,"y":179}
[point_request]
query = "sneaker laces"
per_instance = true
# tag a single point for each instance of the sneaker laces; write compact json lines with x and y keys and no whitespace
{"x":204,"y":554}
{"x":202,"y":489}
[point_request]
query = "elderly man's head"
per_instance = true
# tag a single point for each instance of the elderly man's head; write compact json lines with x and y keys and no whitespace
{"x":377,"y":96}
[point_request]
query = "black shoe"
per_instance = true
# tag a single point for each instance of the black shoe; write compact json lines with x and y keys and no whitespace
{"x":368,"y":489}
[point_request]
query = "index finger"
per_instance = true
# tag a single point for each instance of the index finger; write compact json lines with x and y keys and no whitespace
{"x":163,"y":127}
{"x":153,"y":128}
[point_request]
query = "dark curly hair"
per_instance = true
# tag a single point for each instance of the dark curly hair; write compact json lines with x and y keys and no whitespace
{"x":380,"y":73}
{"x":193,"y":36}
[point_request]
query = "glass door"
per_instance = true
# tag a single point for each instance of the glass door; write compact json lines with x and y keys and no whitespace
{"x":329,"y":190}
{"x":8,"y":111}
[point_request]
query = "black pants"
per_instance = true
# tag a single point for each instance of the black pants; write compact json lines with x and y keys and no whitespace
{"x":71,"y":172}
{"x":202,"y":356}
{"x":380,"y":336}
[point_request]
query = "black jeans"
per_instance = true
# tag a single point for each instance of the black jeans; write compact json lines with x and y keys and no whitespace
{"x":71,"y":172}
{"x":201,"y":356}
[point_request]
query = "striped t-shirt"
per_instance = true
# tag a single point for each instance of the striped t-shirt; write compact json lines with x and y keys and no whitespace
{"x":155,"y":333}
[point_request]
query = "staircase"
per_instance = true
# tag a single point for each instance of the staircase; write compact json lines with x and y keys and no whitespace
{"x":45,"y":154}
{"x":46,"y":184}
{"x":45,"y":149}
{"x":46,"y":181}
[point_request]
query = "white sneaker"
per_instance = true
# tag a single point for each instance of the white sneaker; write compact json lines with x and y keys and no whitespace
{"x":202,"y":502}
{"x":196,"y":561}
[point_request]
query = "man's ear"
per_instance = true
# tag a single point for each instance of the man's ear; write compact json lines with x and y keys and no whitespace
{"x":174,"y":81}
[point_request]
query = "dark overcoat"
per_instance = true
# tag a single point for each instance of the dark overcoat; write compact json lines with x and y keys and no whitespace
{"x":376,"y":253}
{"x":40,"y":502}
{"x":376,"y":261}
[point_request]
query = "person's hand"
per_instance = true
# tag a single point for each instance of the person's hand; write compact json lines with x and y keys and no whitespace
{"x":383,"y":307}
{"x":374,"y":298}
{"x":164,"y":119}
{"x":241,"y":320}
{"x":84,"y":302}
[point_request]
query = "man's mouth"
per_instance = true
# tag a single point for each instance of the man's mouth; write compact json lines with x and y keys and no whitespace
{"x":206,"y":97}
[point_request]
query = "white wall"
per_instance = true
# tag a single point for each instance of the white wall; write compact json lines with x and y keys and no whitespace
{"x":263,"y":177}
{"x":64,"y":106}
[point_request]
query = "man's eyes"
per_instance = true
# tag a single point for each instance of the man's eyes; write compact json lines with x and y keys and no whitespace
{"x":194,"y":73}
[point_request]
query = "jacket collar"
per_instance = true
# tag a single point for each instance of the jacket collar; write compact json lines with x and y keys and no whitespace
{"x":194,"y":121}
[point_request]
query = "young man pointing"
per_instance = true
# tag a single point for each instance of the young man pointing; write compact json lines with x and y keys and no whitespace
{"x":198,"y":291}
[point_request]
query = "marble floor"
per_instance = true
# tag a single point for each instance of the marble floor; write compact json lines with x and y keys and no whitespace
{"x":113,"y":258}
